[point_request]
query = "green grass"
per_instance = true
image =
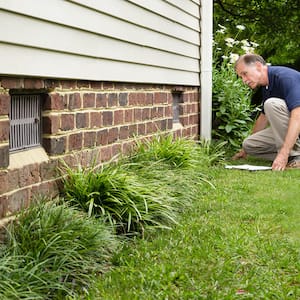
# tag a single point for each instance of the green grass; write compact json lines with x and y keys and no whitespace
{"x":239,"y":240}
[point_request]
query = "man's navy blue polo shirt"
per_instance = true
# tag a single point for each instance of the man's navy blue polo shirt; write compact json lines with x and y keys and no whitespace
{"x":284,"y":83}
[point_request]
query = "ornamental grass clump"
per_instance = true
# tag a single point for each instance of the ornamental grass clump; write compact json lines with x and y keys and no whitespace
{"x":177,"y":152}
{"x":118,"y":196}
{"x":144,"y":190}
{"x":52,"y":251}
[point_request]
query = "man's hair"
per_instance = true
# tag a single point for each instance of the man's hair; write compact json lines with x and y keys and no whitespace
{"x":249,"y":59}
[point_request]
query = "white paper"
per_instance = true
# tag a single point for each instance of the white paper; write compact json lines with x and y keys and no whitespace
{"x":248,"y":167}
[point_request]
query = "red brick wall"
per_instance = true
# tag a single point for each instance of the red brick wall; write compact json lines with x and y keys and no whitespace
{"x":83,"y":121}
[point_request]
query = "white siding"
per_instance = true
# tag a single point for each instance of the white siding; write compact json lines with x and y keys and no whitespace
{"x":153,"y":41}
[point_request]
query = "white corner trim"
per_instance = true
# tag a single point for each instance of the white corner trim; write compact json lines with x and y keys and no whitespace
{"x":206,"y":68}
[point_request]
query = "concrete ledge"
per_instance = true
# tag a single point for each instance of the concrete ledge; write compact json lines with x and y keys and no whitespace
{"x":27,"y":157}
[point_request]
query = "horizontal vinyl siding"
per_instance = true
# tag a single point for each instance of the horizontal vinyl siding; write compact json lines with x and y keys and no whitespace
{"x":133,"y":41}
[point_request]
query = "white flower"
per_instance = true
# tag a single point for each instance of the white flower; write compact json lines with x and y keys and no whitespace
{"x":222,"y":31}
{"x":254,"y":45}
{"x":248,"y":49}
{"x":245,"y":43}
{"x":222,"y":27}
{"x":229,"y":42}
{"x":225,"y":57}
{"x":233,"y":57}
{"x":240,"y":27}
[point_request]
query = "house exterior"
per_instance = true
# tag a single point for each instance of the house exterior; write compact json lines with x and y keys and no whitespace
{"x":81,"y":80}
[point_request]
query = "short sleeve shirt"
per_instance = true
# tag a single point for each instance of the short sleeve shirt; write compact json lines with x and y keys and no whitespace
{"x":284,"y":83}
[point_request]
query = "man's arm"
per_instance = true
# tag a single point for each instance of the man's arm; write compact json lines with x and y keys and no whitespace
{"x":260,"y":124}
{"x":293,"y":131}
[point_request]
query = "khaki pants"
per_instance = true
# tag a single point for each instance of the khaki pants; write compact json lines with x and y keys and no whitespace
{"x":266,"y":143}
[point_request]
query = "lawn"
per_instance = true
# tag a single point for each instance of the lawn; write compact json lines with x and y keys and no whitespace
{"x":238,"y":240}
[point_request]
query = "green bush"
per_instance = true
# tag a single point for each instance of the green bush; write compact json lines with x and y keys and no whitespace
{"x":52,"y":251}
{"x":146,"y":189}
{"x":232,"y":109}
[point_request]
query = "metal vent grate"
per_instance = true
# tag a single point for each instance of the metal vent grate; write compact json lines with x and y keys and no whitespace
{"x":25,"y":115}
{"x":177,"y":98}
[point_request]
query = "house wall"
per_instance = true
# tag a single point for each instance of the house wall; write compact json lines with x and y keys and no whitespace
{"x":83,"y":122}
{"x":112,"y":40}
{"x":108,"y":70}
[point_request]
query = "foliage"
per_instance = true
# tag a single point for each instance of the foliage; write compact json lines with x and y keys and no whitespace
{"x":134,"y":194}
{"x":52,"y":251}
{"x":231,"y":97}
{"x":273,"y":24}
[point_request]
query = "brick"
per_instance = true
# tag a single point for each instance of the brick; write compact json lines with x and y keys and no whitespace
{"x":149,"y":99}
{"x":74,"y":101}
{"x":138,"y":114}
{"x":133,"y":130}
{"x":129,"y":113}
{"x":67,"y":122}
{"x":55,"y":146}
{"x":4,"y":104}
{"x":49,"y":170}
{"x":95,"y":119}
{"x":124,"y":133}
{"x":102,"y":137}
{"x":29,"y":175}
{"x":108,"y":85}
{"x":68,"y":84}
{"x":113,"y":135}
{"x":123,"y":99}
{"x":118,"y":117}
{"x":54,"y":102}
{"x":4,"y":130}
{"x":51,"y":83}
{"x":137,"y":99}
{"x":160,"y":98}
{"x":105,"y":153}
{"x":146,"y":113}
{"x":83,"y":84}
{"x":75,"y":141}
{"x":13,"y":181}
{"x":89,"y":100}
{"x":12,"y":83}
{"x":107,"y":118}
{"x":33,"y":83}
{"x":89,"y":139}
{"x":141,"y":129}
{"x":3,"y":206}
{"x":96,"y":85}
{"x":51,"y":124}
{"x":101,"y":100}
{"x":4,"y":156}
{"x":116,"y":149}
{"x":4,"y":185}
{"x":18,"y":200}
{"x":82,"y":120}
{"x":112,"y":100}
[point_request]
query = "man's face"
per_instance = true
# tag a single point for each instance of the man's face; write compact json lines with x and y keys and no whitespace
{"x":250,"y":74}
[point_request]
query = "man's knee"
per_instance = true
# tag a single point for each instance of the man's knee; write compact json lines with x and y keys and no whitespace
{"x":273,"y":104}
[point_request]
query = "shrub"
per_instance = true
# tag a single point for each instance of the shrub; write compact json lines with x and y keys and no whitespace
{"x":232,"y":108}
{"x":57,"y":252}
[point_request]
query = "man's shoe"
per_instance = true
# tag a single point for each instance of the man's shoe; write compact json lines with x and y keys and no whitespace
{"x":293,"y":162}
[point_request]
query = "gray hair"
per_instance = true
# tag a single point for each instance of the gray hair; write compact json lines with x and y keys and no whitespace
{"x":249,"y":59}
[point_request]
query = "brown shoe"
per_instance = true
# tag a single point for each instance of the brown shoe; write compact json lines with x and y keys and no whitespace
{"x":294,"y":163}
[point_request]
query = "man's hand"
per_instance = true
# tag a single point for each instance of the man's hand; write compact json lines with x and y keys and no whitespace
{"x":280,"y":162}
{"x":240,"y":154}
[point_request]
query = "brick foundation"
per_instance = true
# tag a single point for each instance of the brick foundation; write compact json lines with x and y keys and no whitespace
{"x":83,"y":121}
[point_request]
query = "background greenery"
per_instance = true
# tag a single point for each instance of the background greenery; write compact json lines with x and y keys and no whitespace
{"x":272,"y":24}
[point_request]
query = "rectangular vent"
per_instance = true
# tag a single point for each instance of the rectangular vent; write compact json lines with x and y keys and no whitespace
{"x":25,"y":125}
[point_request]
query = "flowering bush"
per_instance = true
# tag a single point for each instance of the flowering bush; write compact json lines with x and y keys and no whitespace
{"x":231,"y":98}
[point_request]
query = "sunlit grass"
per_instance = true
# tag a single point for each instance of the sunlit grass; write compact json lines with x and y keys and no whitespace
{"x":239,"y":240}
